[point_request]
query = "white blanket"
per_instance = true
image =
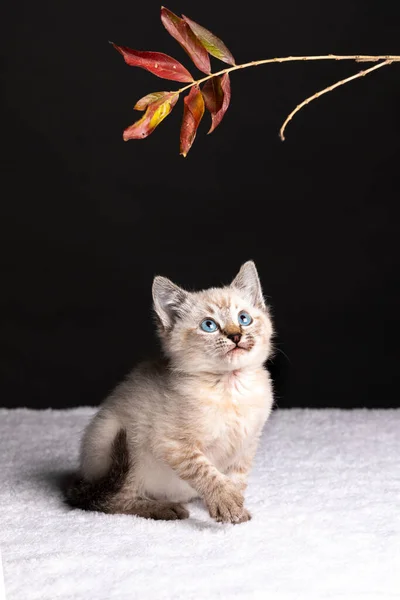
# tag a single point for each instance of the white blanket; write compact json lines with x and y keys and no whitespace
{"x":324,"y":494}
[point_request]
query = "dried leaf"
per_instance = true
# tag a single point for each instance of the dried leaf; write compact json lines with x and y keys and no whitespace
{"x":211,"y":42}
{"x":181,"y":31}
{"x":192,"y":115}
{"x":159,"y":64}
{"x":155,"y":113}
{"x":217,"y":96}
{"x":144,"y":102}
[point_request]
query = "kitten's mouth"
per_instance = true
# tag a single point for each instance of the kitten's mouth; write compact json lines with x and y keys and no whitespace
{"x":238,"y":349}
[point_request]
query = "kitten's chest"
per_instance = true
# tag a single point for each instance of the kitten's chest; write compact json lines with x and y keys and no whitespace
{"x":233,"y":411}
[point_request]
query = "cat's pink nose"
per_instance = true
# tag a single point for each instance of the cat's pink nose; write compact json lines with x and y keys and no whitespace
{"x":235,"y":337}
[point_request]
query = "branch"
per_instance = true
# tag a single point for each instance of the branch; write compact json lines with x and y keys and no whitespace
{"x":215,"y":95}
{"x":329,"y":89}
{"x":283,"y":59}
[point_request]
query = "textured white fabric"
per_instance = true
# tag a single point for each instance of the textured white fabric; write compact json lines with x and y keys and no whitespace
{"x":2,"y":591}
{"x":325,"y":498}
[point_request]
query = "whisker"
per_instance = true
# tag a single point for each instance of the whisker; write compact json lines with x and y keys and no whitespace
{"x":282,"y":352}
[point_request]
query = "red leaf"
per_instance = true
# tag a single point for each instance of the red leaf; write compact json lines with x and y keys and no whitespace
{"x":155,"y":113}
{"x":192,"y":115}
{"x":217,"y":96}
{"x":159,"y":64}
{"x":181,"y":31}
{"x":213,"y":94}
{"x":211,"y":42}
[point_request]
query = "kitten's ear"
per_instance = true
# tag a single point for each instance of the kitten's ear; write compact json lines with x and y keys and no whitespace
{"x":167,"y":298}
{"x":248,"y":282}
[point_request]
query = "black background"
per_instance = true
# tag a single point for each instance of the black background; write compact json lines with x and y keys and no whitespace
{"x":88,"y":220}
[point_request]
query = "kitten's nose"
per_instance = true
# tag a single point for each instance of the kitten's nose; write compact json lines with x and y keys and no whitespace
{"x":235,"y":337}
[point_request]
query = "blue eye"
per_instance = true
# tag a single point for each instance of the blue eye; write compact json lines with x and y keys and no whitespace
{"x":244,"y":318}
{"x":209,"y":325}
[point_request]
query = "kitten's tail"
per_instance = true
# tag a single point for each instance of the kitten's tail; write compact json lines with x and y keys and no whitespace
{"x":96,"y":495}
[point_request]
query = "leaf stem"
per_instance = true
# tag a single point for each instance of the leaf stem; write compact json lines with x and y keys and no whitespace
{"x":388,"y":59}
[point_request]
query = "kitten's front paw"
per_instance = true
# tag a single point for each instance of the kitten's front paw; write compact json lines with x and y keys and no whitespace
{"x":245,"y":516}
{"x":225,"y":504}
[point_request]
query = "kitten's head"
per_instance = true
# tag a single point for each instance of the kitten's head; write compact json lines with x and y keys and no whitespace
{"x":217,"y":330}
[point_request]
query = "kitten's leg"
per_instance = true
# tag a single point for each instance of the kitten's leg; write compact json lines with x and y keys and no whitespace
{"x":238,"y":473}
{"x":224,"y":501}
{"x":117,"y":491}
{"x":128,"y":501}
{"x":150,"y":509}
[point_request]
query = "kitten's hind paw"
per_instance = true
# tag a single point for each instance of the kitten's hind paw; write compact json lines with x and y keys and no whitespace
{"x":170,"y":511}
{"x":160,"y":511}
{"x":180,"y":511}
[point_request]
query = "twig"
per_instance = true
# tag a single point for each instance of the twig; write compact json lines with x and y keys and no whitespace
{"x":255,"y":63}
{"x":329,"y":89}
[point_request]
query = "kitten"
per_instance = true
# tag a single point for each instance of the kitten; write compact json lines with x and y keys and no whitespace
{"x":189,"y":425}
